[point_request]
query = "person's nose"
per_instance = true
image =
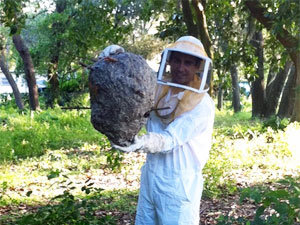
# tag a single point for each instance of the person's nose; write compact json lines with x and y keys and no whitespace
{"x":181,"y":66}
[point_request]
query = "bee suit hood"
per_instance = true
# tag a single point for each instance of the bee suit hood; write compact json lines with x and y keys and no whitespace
{"x":191,"y":46}
{"x":179,"y":98}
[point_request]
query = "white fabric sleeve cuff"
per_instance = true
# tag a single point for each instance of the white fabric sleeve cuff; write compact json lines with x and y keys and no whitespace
{"x":155,"y":142}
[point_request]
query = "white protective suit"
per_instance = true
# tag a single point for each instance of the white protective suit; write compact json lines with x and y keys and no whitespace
{"x":171,"y":181}
{"x":177,"y":143}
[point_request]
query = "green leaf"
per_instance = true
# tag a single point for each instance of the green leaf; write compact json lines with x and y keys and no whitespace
{"x":53,"y":174}
{"x":278,"y":194}
{"x":28,"y":193}
{"x":260,"y":211}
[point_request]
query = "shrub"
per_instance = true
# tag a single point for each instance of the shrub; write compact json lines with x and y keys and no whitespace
{"x":276,"y":123}
{"x":31,"y":133}
{"x":69,"y":209}
{"x":280,"y":206}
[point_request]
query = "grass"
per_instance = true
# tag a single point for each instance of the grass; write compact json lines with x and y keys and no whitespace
{"x":246,"y":152}
{"x":54,"y":152}
{"x":31,"y":134}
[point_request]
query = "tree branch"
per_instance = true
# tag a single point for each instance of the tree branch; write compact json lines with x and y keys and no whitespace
{"x":258,"y":12}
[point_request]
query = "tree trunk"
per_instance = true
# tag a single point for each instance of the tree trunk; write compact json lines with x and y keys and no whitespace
{"x":202,"y":25}
{"x":29,"y":71}
{"x":57,"y":29}
{"x":296,"y":112}
{"x":188,"y":18}
{"x":198,"y":29}
{"x":220,"y":94}
{"x":54,"y":84}
{"x":11,"y":81}
{"x":274,"y":89}
{"x":287,"y":40}
{"x":257,"y":87}
{"x":236,"y":103}
{"x":288,"y":96}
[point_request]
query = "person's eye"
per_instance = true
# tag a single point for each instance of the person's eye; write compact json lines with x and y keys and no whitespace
{"x":176,"y":61}
{"x":188,"y":63}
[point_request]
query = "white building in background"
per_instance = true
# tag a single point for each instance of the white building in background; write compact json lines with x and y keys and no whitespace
{"x":5,"y":87}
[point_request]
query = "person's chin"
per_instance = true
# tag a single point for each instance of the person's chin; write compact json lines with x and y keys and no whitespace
{"x":180,"y":82}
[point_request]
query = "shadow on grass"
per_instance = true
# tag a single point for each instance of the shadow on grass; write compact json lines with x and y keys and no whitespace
{"x":97,"y":207}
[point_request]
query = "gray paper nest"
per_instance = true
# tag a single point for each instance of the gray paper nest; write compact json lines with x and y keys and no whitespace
{"x":122,"y":90}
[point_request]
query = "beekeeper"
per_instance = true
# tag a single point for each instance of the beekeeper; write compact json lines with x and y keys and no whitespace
{"x":178,"y":139}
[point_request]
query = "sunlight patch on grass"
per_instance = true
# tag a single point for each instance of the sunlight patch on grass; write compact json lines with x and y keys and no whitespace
{"x":292,"y":135}
{"x":68,"y":167}
{"x":245,"y":152}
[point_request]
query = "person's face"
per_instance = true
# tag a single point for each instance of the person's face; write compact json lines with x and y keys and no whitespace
{"x":183,"y":67}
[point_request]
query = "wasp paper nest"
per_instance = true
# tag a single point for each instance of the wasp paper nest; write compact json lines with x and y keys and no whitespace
{"x":122,"y":90}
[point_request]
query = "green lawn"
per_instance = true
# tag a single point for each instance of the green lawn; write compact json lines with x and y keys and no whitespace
{"x":56,"y":162}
